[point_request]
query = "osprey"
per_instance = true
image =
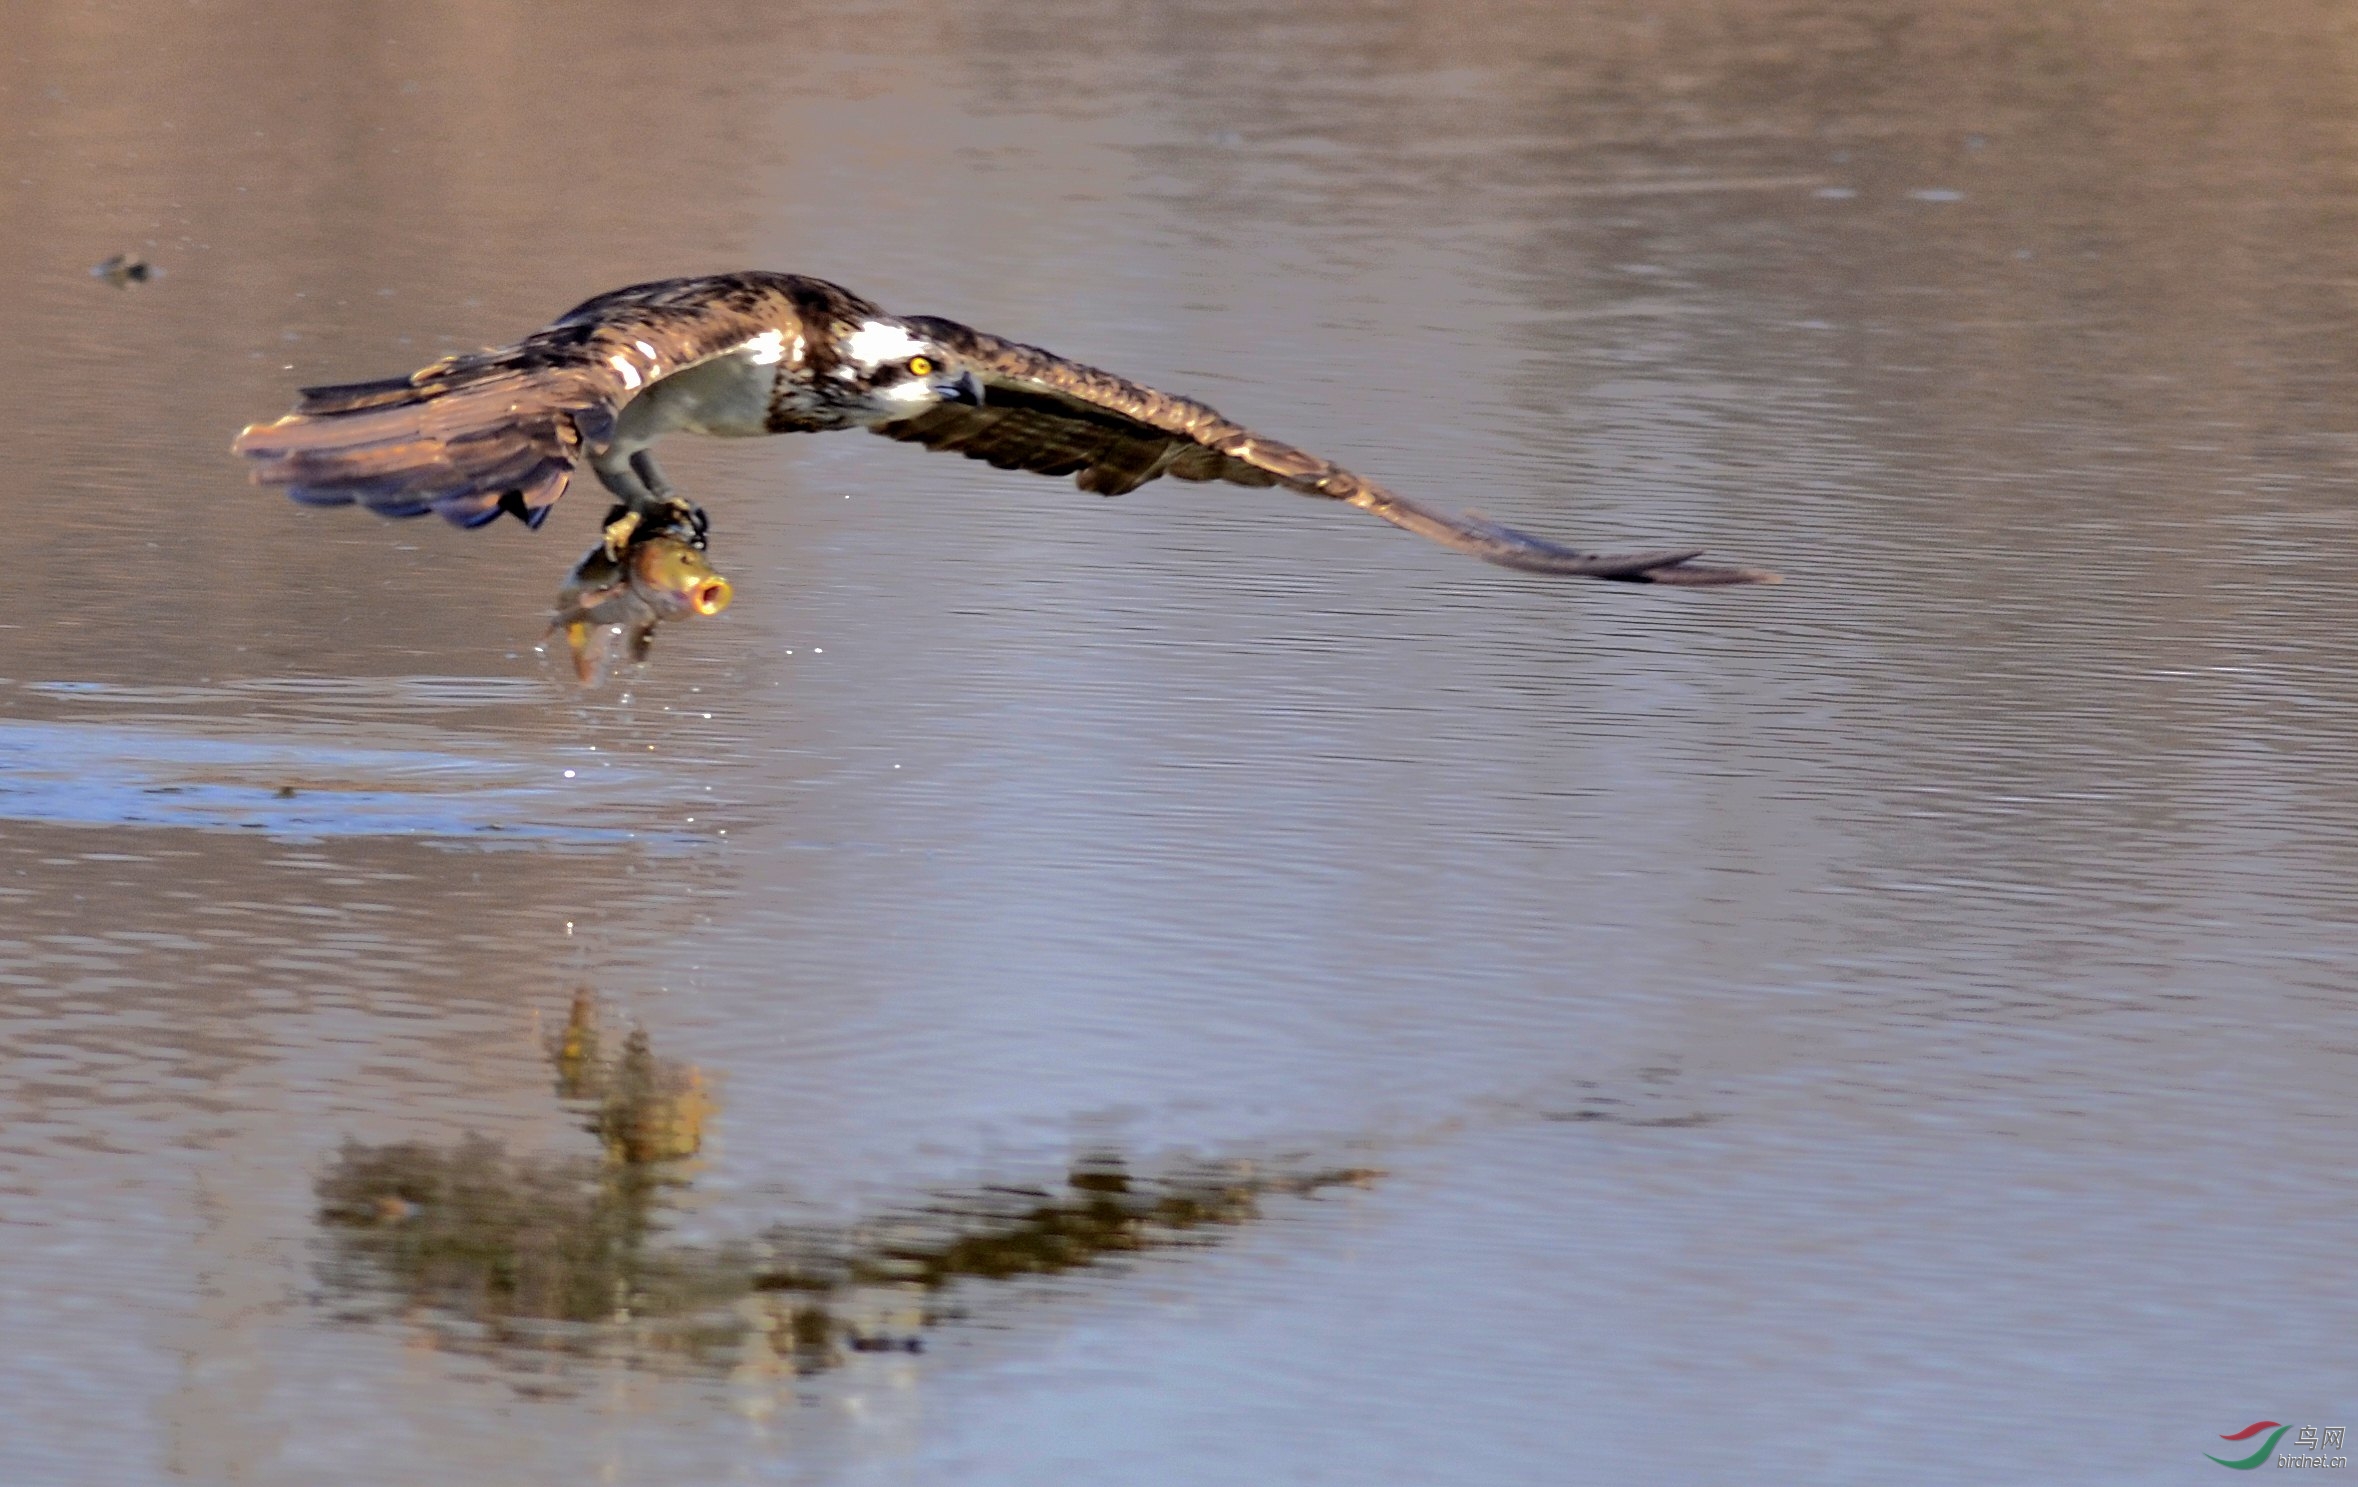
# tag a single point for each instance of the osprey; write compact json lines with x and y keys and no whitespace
{"x":504,"y":430}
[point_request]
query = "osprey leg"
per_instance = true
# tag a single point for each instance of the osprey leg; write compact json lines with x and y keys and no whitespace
{"x":647,"y":499}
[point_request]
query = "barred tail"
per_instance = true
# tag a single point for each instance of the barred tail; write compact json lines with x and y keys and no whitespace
{"x":467,"y":438}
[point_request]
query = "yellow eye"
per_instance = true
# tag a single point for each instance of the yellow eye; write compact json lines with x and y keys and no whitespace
{"x":920,"y":365}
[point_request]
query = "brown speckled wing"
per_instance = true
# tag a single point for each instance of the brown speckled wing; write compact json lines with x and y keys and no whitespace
{"x":1043,"y":413}
{"x":501,"y":430}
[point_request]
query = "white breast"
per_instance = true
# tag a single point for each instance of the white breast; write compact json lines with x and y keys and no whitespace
{"x":728,"y":395}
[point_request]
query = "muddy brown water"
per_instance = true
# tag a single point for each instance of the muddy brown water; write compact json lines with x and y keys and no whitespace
{"x":1898,"y":1026}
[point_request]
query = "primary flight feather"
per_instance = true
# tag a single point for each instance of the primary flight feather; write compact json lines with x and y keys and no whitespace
{"x":504,"y":430}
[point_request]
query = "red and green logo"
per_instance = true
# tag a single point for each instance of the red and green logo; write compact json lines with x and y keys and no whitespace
{"x":2258,"y":1458}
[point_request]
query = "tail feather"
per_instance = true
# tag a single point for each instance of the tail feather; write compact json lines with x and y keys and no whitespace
{"x":351,"y":397}
{"x":502,"y":430}
{"x":468,"y":438}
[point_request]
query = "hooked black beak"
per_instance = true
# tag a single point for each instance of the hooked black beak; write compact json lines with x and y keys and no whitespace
{"x":965,"y":390}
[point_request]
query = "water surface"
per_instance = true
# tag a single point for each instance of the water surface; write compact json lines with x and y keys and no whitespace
{"x":1894,"y":1025}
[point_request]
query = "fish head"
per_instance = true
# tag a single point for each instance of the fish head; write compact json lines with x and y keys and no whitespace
{"x":675,"y":580}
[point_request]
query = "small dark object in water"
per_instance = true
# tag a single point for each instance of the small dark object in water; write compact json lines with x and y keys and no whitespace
{"x":123,"y":270}
{"x":861,"y":1343}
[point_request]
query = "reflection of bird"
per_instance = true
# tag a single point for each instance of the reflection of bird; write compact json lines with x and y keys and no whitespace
{"x":757,"y":353}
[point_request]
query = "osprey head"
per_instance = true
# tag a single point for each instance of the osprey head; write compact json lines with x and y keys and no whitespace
{"x":884,"y":371}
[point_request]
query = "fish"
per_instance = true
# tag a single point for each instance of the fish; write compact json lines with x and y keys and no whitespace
{"x":612,"y":603}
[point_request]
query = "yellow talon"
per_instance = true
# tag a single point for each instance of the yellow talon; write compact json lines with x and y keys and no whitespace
{"x":618,"y":533}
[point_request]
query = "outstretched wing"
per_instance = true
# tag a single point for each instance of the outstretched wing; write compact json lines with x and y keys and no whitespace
{"x":1043,"y":413}
{"x":501,"y":430}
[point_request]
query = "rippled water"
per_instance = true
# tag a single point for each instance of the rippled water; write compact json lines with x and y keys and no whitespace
{"x":1200,"y":987}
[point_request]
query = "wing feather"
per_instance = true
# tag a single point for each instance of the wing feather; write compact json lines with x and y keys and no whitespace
{"x":1047,"y":414}
{"x":502,"y":429}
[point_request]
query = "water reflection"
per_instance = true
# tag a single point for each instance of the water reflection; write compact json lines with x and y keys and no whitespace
{"x":493,"y":1250}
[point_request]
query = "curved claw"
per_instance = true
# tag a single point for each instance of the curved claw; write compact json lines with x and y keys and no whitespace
{"x":688,"y":522}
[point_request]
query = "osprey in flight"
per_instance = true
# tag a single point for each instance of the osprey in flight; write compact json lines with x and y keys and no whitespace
{"x":503,"y":430}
